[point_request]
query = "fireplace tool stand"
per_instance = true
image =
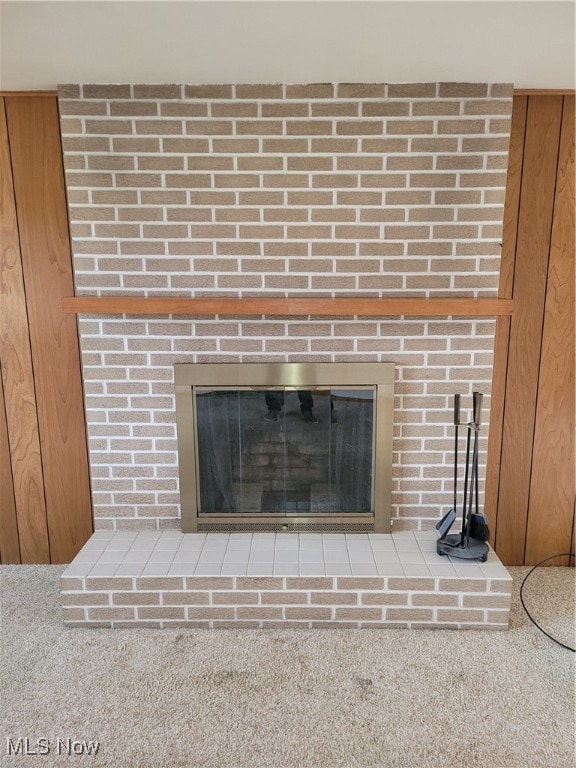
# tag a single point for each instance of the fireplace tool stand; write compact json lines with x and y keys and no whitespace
{"x":471,"y":542}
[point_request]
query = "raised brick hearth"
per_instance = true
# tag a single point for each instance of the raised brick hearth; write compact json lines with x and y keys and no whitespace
{"x":265,"y":580}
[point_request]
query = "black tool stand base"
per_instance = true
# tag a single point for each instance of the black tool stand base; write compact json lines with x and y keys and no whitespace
{"x":476,"y":550}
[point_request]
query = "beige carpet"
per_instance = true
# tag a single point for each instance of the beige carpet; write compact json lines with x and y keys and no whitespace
{"x":291,"y":698}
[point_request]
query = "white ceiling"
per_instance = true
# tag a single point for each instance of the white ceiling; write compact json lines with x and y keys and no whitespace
{"x":528,"y":43}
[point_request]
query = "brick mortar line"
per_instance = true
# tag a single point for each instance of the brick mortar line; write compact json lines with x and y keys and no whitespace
{"x":265,"y":290}
{"x":279,"y":101}
{"x":284,"y":121}
{"x":359,"y":592}
{"x":297,"y":241}
{"x":432,"y":607}
{"x":145,"y":257}
{"x":268,"y":154}
{"x":164,"y":321}
{"x":161,"y":593}
{"x":287,"y":175}
{"x":281,"y":206}
{"x":284,"y":86}
{"x":267,"y":624}
{"x":70,"y":111}
{"x":324,"y":273}
{"x":360,"y":136}
{"x":435,"y":117}
{"x":277,"y":206}
{"x":292,"y":240}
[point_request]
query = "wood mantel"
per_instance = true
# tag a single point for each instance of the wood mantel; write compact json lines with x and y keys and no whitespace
{"x":295,"y":307}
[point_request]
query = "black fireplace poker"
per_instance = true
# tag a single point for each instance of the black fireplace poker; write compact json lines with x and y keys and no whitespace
{"x":472,"y":541}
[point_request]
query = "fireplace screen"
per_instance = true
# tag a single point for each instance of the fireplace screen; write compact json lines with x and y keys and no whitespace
{"x":285,"y":446}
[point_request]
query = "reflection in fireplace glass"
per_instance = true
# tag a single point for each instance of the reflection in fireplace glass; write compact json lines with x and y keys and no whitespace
{"x":285,"y":451}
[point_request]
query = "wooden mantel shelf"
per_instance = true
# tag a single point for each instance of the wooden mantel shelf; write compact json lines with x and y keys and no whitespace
{"x":297,"y":307}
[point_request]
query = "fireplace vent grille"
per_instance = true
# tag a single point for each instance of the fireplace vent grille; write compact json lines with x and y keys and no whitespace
{"x":286,"y":527}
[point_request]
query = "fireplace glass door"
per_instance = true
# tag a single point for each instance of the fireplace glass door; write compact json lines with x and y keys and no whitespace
{"x":285,"y":446}
{"x":286,"y":452}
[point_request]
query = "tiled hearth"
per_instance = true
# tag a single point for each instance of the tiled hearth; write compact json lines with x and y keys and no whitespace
{"x":260,"y":580}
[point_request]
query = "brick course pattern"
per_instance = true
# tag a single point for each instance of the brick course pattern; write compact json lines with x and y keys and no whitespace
{"x":284,"y":190}
{"x":193,"y":602}
{"x":168,"y":579}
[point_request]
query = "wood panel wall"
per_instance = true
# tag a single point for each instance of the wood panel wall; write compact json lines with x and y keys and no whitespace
{"x":531,"y":465}
{"x":46,"y":513}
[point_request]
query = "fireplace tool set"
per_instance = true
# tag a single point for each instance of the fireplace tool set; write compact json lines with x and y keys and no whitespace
{"x":471,"y":542}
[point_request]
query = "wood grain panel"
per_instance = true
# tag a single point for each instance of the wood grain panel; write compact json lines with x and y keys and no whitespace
{"x":9,"y":544}
{"x":31,"y":94}
{"x":502,"y":334}
{"x":495,"y":433}
{"x":550,"y":512}
{"x":41,"y":204}
{"x":543,"y":91}
{"x":533,"y":244}
{"x":512,"y":201}
{"x":18,"y":377}
{"x":292,"y":307}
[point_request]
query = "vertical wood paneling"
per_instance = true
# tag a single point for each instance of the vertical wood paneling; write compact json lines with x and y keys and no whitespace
{"x":550,"y":511}
{"x":9,"y":543}
{"x":18,"y":377}
{"x":513,"y":191}
{"x":502,"y":335}
{"x":531,"y":461}
{"x":34,"y":137}
{"x":530,"y":274}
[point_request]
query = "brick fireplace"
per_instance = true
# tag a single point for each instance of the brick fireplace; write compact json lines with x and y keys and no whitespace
{"x":322,"y":190}
{"x":280,"y":190}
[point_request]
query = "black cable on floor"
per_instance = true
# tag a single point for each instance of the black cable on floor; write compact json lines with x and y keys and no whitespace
{"x":569,"y":554}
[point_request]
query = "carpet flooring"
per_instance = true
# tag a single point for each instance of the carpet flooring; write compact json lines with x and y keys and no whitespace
{"x":286,"y":698}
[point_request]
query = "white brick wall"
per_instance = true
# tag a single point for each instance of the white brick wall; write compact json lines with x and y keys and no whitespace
{"x":321,"y":190}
